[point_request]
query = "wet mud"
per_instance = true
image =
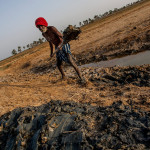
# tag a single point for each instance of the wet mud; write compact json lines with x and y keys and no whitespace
{"x":69,"y":126}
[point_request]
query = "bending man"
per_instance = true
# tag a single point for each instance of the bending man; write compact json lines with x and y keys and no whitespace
{"x":54,"y":37}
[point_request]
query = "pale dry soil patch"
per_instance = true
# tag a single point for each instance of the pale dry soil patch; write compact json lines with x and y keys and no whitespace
{"x":28,"y":89}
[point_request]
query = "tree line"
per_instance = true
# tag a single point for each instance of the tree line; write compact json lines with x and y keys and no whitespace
{"x":101,"y":16}
{"x":85,"y":22}
{"x":31,"y":45}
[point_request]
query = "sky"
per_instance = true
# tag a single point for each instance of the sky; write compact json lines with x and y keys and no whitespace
{"x":18,"y":18}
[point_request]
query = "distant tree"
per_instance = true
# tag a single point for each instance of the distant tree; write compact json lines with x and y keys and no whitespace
{"x":40,"y":41}
{"x":37,"y":42}
{"x":24,"y":47}
{"x":19,"y":49}
{"x":110,"y":12}
{"x":28,"y":46}
{"x":96,"y":17}
{"x":34,"y":43}
{"x":115,"y":9}
{"x":80,"y":24}
{"x":90,"y":20}
{"x":100,"y":16}
{"x":31,"y":45}
{"x":85,"y":22}
{"x":105,"y":14}
{"x":14,"y":52}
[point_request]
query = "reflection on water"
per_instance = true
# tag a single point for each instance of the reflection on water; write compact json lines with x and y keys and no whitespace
{"x":137,"y":59}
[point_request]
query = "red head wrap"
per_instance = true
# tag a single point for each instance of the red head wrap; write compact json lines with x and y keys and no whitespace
{"x":41,"y":21}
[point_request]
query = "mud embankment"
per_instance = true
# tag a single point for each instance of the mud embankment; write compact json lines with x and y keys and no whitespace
{"x":131,"y":60}
{"x":70,"y":125}
{"x":132,"y":44}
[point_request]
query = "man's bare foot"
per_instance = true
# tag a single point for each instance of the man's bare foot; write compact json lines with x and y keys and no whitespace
{"x":63,"y":78}
{"x":83,"y":81}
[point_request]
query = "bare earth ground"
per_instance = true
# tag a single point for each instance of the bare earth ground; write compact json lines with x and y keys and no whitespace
{"x":31,"y":80}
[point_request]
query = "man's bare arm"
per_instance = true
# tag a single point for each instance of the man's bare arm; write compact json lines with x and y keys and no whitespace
{"x":51,"y":49}
{"x":56,"y":32}
{"x":60,"y":44}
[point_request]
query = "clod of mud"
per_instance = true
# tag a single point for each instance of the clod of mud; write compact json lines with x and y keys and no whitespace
{"x":71,"y":33}
{"x":70,"y":125}
{"x":136,"y":75}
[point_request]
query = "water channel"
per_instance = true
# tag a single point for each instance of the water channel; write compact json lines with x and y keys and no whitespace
{"x":137,"y":59}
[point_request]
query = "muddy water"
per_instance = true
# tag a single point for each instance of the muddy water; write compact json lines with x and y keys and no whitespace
{"x":137,"y":59}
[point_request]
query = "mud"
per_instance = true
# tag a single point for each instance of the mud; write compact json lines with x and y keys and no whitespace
{"x":112,"y":111}
{"x":104,"y":86}
{"x":70,"y":125}
{"x":131,"y":60}
{"x":119,"y":48}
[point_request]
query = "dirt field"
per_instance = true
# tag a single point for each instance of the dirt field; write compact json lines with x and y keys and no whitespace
{"x":31,"y":80}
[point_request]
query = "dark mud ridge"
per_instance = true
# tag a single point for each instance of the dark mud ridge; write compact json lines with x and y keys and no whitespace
{"x":127,"y":46}
{"x":115,"y":76}
{"x":73,"y":126}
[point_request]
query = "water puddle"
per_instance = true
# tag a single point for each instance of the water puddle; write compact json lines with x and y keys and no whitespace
{"x":137,"y":59}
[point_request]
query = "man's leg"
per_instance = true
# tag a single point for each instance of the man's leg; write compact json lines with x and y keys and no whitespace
{"x":73,"y":64}
{"x":59,"y":65}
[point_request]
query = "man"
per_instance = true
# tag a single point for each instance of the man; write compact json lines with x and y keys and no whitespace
{"x":54,"y":37}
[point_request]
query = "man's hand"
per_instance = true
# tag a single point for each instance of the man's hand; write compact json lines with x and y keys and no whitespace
{"x":55,"y":51}
{"x":51,"y":55}
{"x":58,"y":48}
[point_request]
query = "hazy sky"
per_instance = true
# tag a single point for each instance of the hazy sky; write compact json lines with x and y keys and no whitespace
{"x":18,"y":18}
